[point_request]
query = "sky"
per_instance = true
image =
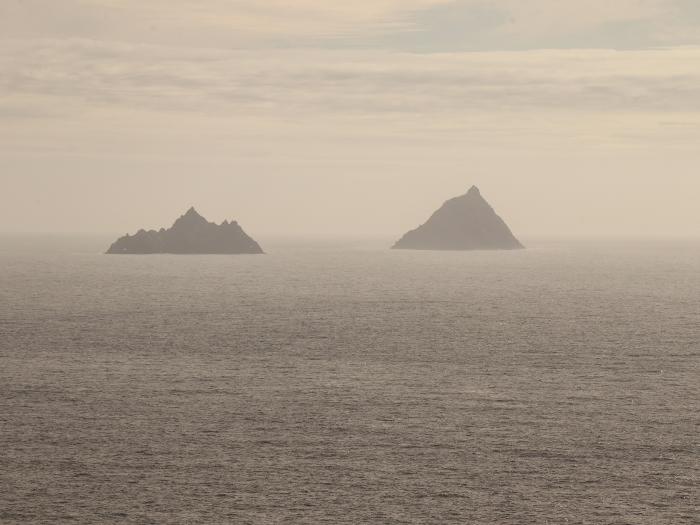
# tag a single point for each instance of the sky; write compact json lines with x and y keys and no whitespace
{"x":310,"y":117}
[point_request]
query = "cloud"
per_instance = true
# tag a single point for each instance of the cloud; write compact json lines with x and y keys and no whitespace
{"x":215,"y":23}
{"x":318,"y":82}
{"x":334,"y":90}
{"x":477,"y":25}
{"x":425,"y":25}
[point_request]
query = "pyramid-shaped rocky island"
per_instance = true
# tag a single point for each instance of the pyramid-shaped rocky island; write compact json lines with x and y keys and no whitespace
{"x":191,"y":234}
{"x":463,"y":223}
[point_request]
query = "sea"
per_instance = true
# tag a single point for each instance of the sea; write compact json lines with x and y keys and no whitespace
{"x":337,"y":381}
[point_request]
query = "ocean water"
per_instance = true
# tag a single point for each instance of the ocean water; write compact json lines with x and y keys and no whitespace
{"x":340,"y":382}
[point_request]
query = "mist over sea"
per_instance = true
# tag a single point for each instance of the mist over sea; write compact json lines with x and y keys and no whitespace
{"x":341,"y":382}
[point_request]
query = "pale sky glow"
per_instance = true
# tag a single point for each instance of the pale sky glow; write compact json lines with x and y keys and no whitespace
{"x":309,"y":117}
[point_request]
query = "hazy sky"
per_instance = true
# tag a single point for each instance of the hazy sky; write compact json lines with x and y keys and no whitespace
{"x":574,"y":117}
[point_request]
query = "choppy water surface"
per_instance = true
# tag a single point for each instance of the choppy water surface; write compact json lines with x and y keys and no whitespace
{"x":344,"y":383}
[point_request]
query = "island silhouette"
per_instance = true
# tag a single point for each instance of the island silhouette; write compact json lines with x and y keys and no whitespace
{"x":467,"y":222}
{"x":190,"y":234}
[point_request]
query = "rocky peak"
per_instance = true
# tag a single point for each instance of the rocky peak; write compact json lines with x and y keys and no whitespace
{"x":463,"y":223}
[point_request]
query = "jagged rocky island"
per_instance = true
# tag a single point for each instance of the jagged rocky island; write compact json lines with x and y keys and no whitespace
{"x":467,"y":222}
{"x":190,"y":234}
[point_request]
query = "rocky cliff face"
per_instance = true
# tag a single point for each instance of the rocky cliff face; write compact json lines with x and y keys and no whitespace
{"x":190,"y":234}
{"x":463,"y":223}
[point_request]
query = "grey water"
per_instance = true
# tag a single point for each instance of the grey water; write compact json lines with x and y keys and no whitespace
{"x":340,"y":382}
